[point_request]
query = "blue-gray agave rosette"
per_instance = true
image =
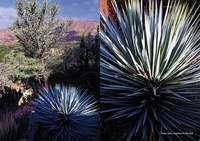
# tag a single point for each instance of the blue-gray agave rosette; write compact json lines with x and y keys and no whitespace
{"x":149,"y":70}
{"x":69,"y":113}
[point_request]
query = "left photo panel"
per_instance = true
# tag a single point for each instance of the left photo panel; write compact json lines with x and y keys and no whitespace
{"x":49,"y":70}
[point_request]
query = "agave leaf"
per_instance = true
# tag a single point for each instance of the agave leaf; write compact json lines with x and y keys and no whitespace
{"x":149,"y":70}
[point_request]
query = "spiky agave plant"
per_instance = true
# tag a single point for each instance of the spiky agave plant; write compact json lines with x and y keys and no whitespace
{"x":149,"y":73}
{"x":69,"y":113}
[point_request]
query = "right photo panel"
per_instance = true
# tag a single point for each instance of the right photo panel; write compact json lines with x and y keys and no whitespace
{"x":150,"y":70}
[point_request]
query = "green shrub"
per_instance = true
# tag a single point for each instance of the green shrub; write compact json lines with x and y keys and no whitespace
{"x":6,"y":49}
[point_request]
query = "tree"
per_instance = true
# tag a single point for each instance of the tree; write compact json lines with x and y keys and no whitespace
{"x":90,"y":46}
{"x":96,"y":49}
{"x":38,"y":29}
{"x":85,"y":46}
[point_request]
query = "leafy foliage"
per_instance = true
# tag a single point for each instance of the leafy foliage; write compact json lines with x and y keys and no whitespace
{"x":69,"y":113}
{"x":64,"y":59}
{"x":5,"y":68}
{"x":4,"y":50}
{"x":24,"y":67}
{"x":149,"y":72}
{"x":6,"y":71}
{"x":7,"y":53}
{"x":89,"y":47}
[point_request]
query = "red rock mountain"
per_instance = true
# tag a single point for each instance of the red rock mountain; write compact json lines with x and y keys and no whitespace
{"x":78,"y":28}
{"x":7,"y":37}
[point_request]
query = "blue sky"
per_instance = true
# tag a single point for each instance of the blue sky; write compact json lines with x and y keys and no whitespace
{"x":68,"y":9}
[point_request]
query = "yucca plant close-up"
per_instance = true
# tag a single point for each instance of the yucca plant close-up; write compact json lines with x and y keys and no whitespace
{"x":149,"y":70}
{"x":68,"y":113}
